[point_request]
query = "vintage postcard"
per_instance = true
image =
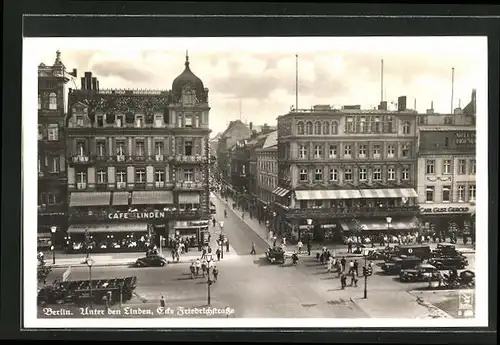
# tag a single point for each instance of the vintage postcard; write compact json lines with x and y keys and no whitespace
{"x":255,"y":182}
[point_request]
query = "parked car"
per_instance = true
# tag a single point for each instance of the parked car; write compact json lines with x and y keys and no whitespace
{"x":466,"y":279}
{"x":423,"y":251}
{"x":449,"y":262}
{"x":421,"y":273}
{"x":446,"y":250}
{"x":375,"y":254}
{"x":151,"y":261}
{"x":396,"y":265}
{"x":275,"y":255}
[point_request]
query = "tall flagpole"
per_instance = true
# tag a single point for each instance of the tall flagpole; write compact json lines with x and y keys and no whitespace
{"x":452,"y":87}
{"x":296,"y":82}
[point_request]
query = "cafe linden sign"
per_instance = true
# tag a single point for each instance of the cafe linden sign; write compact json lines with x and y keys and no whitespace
{"x":443,"y":209}
{"x":137,"y":215}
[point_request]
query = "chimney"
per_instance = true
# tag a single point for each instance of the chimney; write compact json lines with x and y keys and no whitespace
{"x":83,"y":83}
{"x":402,"y":103}
{"x":250,"y":125}
{"x":458,"y":111}
{"x":97,"y":85}
{"x":94,"y":83}
{"x":74,"y":73}
{"x":382,"y":105}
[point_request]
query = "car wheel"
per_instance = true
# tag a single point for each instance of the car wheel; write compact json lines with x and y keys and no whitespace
{"x":162,"y":264}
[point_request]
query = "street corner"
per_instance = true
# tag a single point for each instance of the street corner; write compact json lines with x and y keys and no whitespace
{"x":454,"y":303}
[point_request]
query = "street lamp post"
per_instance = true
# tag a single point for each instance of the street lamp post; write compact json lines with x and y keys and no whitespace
{"x":365,"y":273}
{"x":221,"y":224}
{"x":90,"y":262}
{"x":309,"y":226}
{"x":388,"y":220}
{"x":209,"y":283}
{"x":52,"y":247}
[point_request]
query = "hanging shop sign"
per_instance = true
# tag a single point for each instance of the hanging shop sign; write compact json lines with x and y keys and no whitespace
{"x":447,"y":209}
{"x":137,"y":215}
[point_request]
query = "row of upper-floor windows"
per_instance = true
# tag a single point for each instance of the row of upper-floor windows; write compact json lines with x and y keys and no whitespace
{"x":332,"y":151}
{"x":101,"y":175}
{"x":48,"y":132}
{"x":49,"y":103}
{"x":352,"y":125}
{"x":269,"y":181}
{"x":268,"y":166}
{"x":363,"y":174}
{"x":50,"y":163}
{"x":464,"y":193}
{"x":120,"y":121}
{"x":186,"y":148}
{"x":431,"y":165}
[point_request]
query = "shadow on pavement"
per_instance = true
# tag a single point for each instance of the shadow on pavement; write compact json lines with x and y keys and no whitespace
{"x":262,"y":261}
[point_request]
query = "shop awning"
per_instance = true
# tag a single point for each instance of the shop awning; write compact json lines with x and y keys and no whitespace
{"x":152,"y":198}
{"x":189,"y":198}
{"x":82,"y":199}
{"x":400,"y":225}
{"x":389,"y":193}
{"x":103,"y":228}
{"x":120,"y":198}
{"x":281,"y":192}
{"x":327,"y":194}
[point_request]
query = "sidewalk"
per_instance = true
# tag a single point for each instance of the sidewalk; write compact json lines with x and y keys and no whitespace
{"x":401,"y":305}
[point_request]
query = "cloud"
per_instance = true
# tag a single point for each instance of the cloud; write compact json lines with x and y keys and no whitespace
{"x":122,"y":69}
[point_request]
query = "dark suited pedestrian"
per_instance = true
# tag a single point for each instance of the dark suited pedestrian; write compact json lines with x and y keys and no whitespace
{"x":217,"y":252}
{"x":253,"y":249}
{"x":162,"y":301}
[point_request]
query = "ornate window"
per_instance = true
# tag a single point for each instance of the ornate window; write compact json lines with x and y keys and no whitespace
{"x":53,"y":132}
{"x":188,"y":120}
{"x":350,"y":125}
{"x":326,"y":128}
{"x":362,"y":125}
{"x":334,"y":175}
{"x":189,"y":174}
{"x":318,"y":151}
{"x":377,"y":174}
{"x":121,"y":176}
{"x":447,"y":166}
{"x":362,"y":174}
{"x":318,"y":175}
{"x":303,"y":175}
{"x":52,"y":101}
{"x":333,"y":151}
{"x":406,"y":128}
{"x":140,"y":175}
{"x":390,"y":151}
{"x":101,"y":148}
{"x":188,"y":97}
{"x":362,"y":151}
{"x":391,"y":174}
{"x":335,"y":127}
{"x":188,"y":148}
{"x":159,"y":175}
{"x":347,"y":174}
{"x":446,"y":194}
{"x":101,"y":176}
{"x":302,"y":151}
{"x":430,"y":166}
{"x":309,"y":128}
{"x":317,"y":128}
{"x":461,"y":193}
{"x":462,"y":166}
{"x":347,"y":150}
{"x":429,"y":194}
{"x":300,"y":128}
{"x":405,"y":174}
{"x":472,"y":192}
{"x":139,"y":149}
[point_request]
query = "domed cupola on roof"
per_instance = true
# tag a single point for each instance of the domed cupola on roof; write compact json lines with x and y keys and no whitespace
{"x":188,"y":82}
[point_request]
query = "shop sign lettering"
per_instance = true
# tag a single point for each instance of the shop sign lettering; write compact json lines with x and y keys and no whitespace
{"x":444,"y":210}
{"x":465,"y":138}
{"x":137,"y":215}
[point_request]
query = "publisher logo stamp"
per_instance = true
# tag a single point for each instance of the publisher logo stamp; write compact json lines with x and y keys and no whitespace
{"x":465,"y":304}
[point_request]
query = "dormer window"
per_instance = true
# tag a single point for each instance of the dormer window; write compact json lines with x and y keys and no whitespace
{"x":79,"y":120}
{"x":188,"y":97}
{"x":100,"y":120}
{"x":139,"y":121}
{"x":120,"y":120}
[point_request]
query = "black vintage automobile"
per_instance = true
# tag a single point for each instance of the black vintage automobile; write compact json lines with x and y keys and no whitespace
{"x":153,"y":260}
{"x":423,"y":251}
{"x":449,"y":262}
{"x":79,"y":291}
{"x":396,"y":265}
{"x":446,"y":250}
{"x":275,"y":255}
{"x":375,"y":254}
{"x":466,"y":279}
{"x":421,"y":273}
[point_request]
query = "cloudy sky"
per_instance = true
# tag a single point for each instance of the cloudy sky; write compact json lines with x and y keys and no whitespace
{"x":259,"y":73}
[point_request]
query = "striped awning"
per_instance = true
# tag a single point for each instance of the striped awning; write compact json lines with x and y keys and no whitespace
{"x":281,"y":192}
{"x":152,"y":198}
{"x":189,"y":198}
{"x":389,"y":193}
{"x":78,"y":199}
{"x":327,"y":194}
{"x":109,"y":228}
{"x":120,"y":198}
{"x":400,"y":225}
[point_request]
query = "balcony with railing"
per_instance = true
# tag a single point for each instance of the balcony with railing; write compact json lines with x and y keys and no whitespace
{"x":80,"y":159}
{"x":350,"y":212}
{"x":81,"y":185}
{"x":189,"y":185}
{"x":193,"y":159}
{"x":121,"y":185}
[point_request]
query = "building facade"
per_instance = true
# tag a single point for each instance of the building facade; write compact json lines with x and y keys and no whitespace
{"x":52,"y":192}
{"x":267,"y":175}
{"x":138,"y":164}
{"x":346,"y":170}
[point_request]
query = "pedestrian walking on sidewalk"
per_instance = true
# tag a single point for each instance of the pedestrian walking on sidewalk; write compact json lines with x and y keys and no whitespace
{"x":227,"y":245}
{"x":217,"y":252}
{"x":198,"y":266}
{"x":351,"y":267}
{"x":309,"y":248}
{"x":343,"y":281}
{"x":214,"y":222}
{"x":215,"y":271}
{"x":356,"y":267}
{"x":274,"y":241}
{"x":203,"y":267}
{"x":299,"y":246}
{"x":354,"y":278}
{"x":192,"y":269}
{"x":253,"y":249}
{"x":162,"y":301}
{"x":342,"y":264}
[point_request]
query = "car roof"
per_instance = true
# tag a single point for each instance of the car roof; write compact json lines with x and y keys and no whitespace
{"x":414,"y":246}
{"x":426,"y":266}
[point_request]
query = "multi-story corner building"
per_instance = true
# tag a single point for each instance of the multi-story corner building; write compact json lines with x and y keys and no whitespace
{"x":52,"y":200}
{"x":138,"y":162}
{"x":235,"y":132}
{"x":267,"y":175}
{"x":345,"y":170}
{"x":447,"y":170}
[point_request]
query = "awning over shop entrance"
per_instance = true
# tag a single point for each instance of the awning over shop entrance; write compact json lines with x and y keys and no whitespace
{"x":327,"y":194}
{"x":189,"y":198}
{"x":152,"y":198}
{"x":380,"y":225}
{"x":389,"y":193}
{"x":82,"y":199}
{"x":103,"y":228}
{"x":120,"y":198}
{"x":281,"y":192}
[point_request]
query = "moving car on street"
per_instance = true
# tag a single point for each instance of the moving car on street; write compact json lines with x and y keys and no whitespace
{"x":396,"y":265}
{"x":446,"y":250}
{"x":151,"y":261}
{"x":423,"y":251}
{"x":421,"y":273}
{"x":449,"y":262}
{"x":275,"y":255}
